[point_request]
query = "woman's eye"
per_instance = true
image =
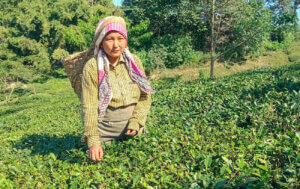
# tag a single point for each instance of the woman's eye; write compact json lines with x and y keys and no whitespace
{"x":108,"y":39}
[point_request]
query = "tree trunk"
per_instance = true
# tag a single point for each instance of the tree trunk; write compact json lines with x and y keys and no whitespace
{"x":212,"y":47}
{"x":296,"y":4}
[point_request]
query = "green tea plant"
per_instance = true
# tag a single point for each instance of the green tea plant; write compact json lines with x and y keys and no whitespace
{"x":239,"y":131}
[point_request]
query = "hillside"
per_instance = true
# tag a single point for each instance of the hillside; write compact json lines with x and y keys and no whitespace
{"x":267,"y":59}
{"x":234,"y":131}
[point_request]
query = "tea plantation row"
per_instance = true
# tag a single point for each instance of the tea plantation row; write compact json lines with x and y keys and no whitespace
{"x":240,"y":131}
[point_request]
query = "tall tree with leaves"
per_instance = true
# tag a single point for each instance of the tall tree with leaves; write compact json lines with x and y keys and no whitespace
{"x":35,"y":34}
{"x":284,"y":17}
{"x":235,"y":20}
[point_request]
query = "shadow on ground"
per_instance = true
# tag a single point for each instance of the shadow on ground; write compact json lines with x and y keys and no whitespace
{"x":67,"y":147}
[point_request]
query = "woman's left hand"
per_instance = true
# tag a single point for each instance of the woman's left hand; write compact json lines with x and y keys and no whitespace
{"x":131,"y":132}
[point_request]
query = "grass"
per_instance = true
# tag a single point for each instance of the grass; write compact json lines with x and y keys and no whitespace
{"x":270,"y":59}
{"x":294,"y":53}
{"x":235,"y":131}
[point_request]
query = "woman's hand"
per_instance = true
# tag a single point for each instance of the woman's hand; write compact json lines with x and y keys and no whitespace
{"x":131,"y":132}
{"x":96,"y":153}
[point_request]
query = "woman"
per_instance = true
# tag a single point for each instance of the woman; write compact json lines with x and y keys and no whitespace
{"x":115,"y":92}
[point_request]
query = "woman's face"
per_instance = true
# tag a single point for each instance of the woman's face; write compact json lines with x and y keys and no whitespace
{"x":114,"y":44}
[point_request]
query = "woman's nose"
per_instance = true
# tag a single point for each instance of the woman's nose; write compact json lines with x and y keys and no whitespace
{"x":116,"y":44}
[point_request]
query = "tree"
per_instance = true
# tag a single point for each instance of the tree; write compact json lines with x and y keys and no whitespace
{"x":166,"y":17}
{"x":212,"y":38}
{"x":192,"y":17}
{"x":295,"y":5}
{"x":284,"y":18}
{"x":35,"y":34}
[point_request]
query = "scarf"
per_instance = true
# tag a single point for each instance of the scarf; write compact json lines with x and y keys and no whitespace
{"x":105,"y":92}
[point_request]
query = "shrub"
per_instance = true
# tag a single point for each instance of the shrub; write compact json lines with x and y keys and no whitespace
{"x":288,"y":40}
{"x":88,"y":29}
{"x":75,"y":39}
{"x":294,"y":58}
{"x":143,"y":55}
{"x":271,"y":45}
{"x":57,"y":55}
{"x":170,"y":52}
{"x":297,"y":33}
{"x":15,"y":70}
{"x":180,"y":51}
{"x":139,"y":36}
{"x":201,"y":74}
{"x":198,"y":57}
{"x":173,"y":50}
{"x":153,"y":59}
{"x":31,"y":53}
{"x":294,"y":52}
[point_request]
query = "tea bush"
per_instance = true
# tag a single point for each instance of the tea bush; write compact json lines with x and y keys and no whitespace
{"x":239,"y":131}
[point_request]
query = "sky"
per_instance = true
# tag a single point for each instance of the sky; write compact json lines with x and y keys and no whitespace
{"x":119,"y":2}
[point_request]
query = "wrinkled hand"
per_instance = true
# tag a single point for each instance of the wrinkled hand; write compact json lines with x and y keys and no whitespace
{"x":131,"y":132}
{"x":96,"y":153}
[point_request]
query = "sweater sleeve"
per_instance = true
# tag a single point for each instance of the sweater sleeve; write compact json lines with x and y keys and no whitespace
{"x":142,"y":107}
{"x":90,"y":104}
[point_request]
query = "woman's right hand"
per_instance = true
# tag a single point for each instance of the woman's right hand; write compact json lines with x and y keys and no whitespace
{"x":96,"y":153}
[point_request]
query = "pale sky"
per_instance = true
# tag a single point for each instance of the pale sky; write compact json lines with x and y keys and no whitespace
{"x":117,"y":2}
